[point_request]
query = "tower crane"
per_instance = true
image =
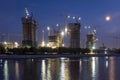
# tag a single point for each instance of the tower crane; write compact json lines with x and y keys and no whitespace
{"x":26,"y":12}
{"x":77,"y":19}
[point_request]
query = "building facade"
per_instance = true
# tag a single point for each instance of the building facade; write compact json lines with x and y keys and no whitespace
{"x":74,"y":31}
{"x":30,"y":30}
{"x":90,"y":41}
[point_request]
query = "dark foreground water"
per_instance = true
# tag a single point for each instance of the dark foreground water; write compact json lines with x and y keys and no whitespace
{"x":87,"y":68}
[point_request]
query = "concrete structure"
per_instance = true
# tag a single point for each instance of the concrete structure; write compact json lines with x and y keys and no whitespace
{"x":90,"y":42}
{"x":30,"y":28}
{"x":52,"y":41}
{"x":74,"y":31}
{"x":55,"y":40}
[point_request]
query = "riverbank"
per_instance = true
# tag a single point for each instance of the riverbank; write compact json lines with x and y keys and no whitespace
{"x":56,"y":56}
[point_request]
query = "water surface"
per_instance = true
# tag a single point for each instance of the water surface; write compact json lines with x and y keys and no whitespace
{"x":86,"y":68}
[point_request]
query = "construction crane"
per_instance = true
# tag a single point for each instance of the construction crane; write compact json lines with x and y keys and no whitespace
{"x":77,"y":19}
{"x":26,"y":12}
{"x":91,"y":36}
{"x":65,"y":22}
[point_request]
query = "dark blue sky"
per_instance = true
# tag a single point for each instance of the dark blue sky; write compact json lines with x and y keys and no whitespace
{"x":47,"y":12}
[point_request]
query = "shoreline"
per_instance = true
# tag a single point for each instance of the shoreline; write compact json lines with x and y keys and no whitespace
{"x":56,"y":56}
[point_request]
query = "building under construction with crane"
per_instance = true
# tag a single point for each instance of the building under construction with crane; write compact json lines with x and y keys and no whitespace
{"x":30,"y":27}
{"x":74,"y":31}
{"x":91,"y":40}
{"x":90,"y":43}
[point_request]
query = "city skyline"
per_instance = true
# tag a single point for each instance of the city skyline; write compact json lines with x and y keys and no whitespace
{"x":47,"y":13}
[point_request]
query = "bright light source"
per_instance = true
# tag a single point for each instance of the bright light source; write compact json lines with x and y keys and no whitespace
{"x":107,"y":18}
{"x":62,"y":33}
{"x":68,"y":16}
{"x":63,"y":45}
{"x":73,"y":17}
{"x":94,"y":30}
{"x":48,"y":45}
{"x":5,"y":42}
{"x":48,"y":28}
{"x":88,"y":26}
{"x":27,"y":13}
{"x":79,"y":18}
{"x":57,"y":25}
{"x":43,"y":44}
{"x":93,"y":47}
{"x":62,"y":58}
{"x":16,"y":44}
{"x":66,"y":29}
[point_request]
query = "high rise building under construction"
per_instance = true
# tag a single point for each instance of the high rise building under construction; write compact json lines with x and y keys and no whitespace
{"x":74,"y":30}
{"x":30,"y":27}
{"x":90,"y":42}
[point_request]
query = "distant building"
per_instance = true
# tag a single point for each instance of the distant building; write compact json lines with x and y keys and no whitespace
{"x":74,"y":30}
{"x":90,"y":42}
{"x":30,"y":29}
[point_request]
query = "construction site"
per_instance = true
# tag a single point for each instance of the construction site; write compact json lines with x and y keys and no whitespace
{"x":68,"y":33}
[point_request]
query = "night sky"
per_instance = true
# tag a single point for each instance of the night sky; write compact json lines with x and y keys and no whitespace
{"x":47,"y":12}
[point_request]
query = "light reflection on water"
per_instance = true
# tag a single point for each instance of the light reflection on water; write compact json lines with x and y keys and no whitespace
{"x":92,"y":68}
{"x":17,"y":70}
{"x":112,"y":69}
{"x":6,"y":70}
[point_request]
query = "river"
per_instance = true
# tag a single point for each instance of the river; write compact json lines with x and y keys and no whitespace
{"x":84,"y":68}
